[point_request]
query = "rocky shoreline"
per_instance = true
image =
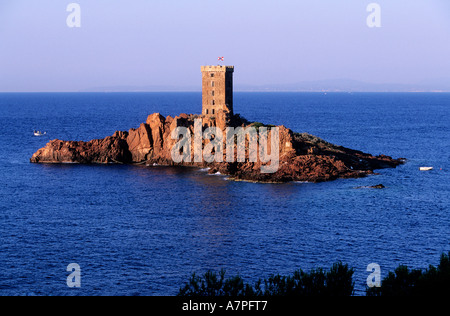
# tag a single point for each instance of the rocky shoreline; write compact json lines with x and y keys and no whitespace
{"x":302,"y":157}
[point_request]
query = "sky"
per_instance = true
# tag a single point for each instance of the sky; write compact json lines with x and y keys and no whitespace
{"x":144,"y":43}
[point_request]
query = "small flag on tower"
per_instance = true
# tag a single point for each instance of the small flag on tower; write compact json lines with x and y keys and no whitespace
{"x":220,"y":58}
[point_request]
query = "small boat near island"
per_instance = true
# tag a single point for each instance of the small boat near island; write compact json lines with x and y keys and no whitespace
{"x":425,"y":168}
{"x":39,"y":133}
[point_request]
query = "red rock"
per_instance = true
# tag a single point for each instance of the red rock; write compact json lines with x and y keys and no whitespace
{"x":157,"y":125}
{"x":140,"y":143}
{"x":110,"y":149}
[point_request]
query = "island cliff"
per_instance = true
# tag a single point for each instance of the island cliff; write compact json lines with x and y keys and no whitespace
{"x":302,"y":157}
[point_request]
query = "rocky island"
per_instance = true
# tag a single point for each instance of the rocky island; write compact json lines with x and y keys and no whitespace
{"x":302,"y":157}
{"x":295,"y":156}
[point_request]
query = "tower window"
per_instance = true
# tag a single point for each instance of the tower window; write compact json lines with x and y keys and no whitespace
{"x":212,"y":75}
{"x":213,"y":102}
{"x":212,"y":111}
{"x":212,"y":83}
{"x":212,"y":93}
{"x":206,"y":111}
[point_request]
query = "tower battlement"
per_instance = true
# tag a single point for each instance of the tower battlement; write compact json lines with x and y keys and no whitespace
{"x":218,"y":68}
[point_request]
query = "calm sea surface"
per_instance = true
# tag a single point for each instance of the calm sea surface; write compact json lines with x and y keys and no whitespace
{"x":143,"y":231}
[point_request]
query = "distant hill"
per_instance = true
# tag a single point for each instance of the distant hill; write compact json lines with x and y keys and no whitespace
{"x":348,"y":85}
{"x":335,"y":85}
{"x":151,"y":88}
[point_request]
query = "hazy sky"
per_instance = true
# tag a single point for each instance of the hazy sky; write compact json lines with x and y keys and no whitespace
{"x":164,"y":42}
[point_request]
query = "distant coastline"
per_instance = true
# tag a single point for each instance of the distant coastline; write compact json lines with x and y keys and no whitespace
{"x":238,"y":91}
{"x":338,"y":85}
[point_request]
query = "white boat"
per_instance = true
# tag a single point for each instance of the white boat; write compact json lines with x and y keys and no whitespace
{"x":425,"y":168}
{"x":38,"y":133}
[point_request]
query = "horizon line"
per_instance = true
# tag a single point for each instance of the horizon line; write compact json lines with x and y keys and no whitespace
{"x":236,"y":91}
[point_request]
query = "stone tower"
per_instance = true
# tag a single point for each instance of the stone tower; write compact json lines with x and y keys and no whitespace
{"x":217,"y":90}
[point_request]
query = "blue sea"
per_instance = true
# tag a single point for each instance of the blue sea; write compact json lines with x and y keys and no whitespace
{"x":135,"y":230}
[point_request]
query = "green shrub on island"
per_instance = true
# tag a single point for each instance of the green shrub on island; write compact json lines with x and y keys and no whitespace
{"x":257,"y":125}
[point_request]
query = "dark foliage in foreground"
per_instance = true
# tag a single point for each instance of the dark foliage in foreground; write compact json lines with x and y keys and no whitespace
{"x":434,"y":281}
{"x":336,"y":282}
